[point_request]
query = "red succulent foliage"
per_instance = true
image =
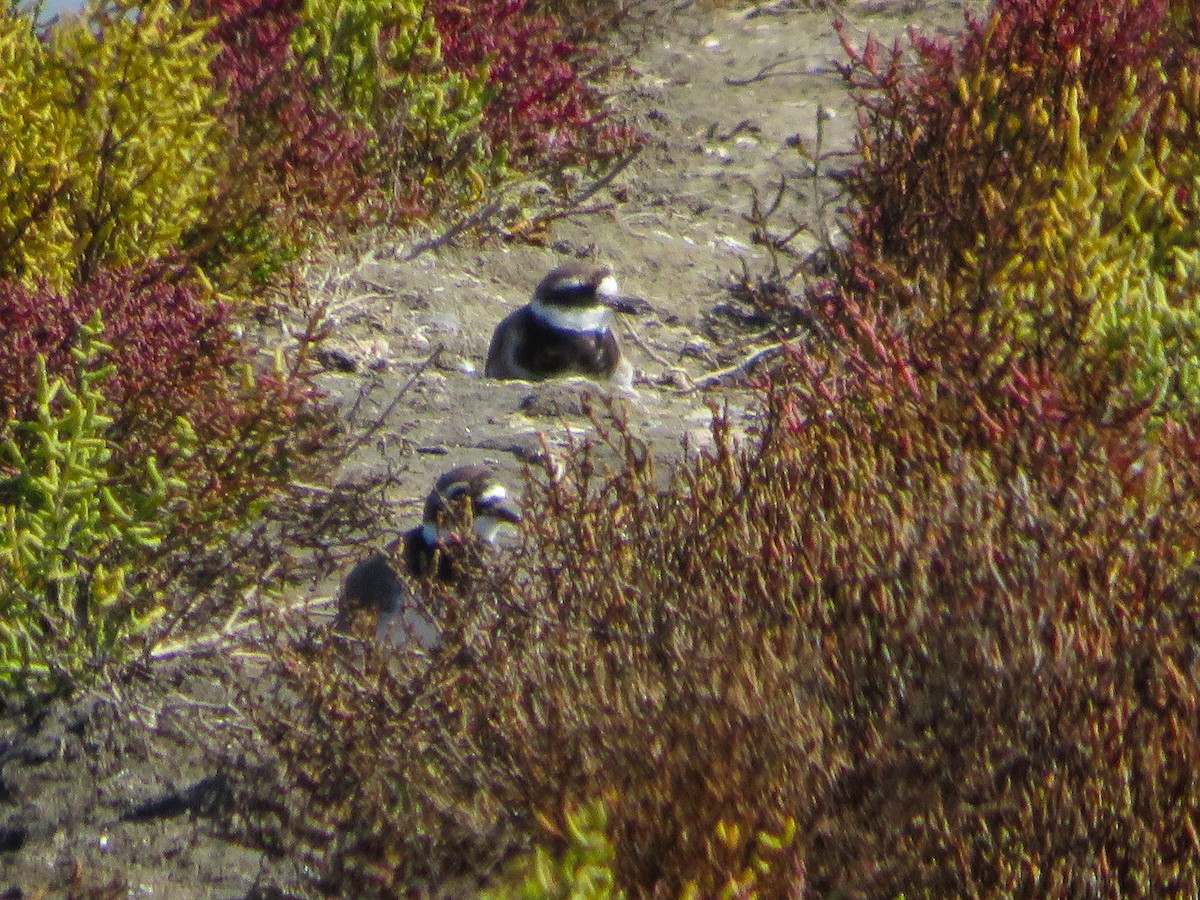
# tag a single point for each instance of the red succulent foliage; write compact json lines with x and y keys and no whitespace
{"x":295,"y":165}
{"x":543,"y":111}
{"x":174,"y":355}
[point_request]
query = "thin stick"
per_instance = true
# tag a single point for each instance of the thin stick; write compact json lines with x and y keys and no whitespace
{"x":714,"y":378}
{"x":215,"y":640}
{"x":606,"y":179}
{"x":770,"y":70}
{"x":369,"y":432}
{"x":646,"y":348}
{"x":475,"y":218}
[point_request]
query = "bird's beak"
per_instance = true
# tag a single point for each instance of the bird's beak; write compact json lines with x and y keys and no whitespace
{"x":628,"y":304}
{"x":506,"y":511}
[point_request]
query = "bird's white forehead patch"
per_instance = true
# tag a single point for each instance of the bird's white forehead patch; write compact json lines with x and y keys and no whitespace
{"x":607,"y":288}
{"x":494,"y":493}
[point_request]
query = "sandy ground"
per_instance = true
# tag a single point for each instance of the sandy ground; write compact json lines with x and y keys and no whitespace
{"x":108,"y":792}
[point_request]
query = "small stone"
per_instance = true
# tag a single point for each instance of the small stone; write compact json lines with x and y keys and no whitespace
{"x":526,"y":446}
{"x":727,"y":244}
{"x":698,"y":348}
{"x":559,"y":399}
{"x":336,"y":359}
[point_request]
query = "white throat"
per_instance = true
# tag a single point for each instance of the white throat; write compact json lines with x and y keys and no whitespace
{"x":584,"y":318}
{"x":485,"y":527}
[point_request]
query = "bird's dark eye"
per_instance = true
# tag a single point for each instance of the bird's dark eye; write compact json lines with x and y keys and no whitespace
{"x":574,"y":290}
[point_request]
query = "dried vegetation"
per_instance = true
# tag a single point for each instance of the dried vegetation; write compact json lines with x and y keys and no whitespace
{"x":931,"y":631}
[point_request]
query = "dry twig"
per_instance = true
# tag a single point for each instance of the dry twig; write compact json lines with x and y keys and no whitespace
{"x":712,"y":379}
{"x":370,"y":431}
{"x":220,"y":638}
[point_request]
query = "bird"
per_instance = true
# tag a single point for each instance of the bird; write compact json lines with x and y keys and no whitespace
{"x":565,"y":330}
{"x":433,"y":550}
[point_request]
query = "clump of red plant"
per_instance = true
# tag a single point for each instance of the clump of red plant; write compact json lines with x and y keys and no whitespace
{"x":175,"y":356}
{"x":295,"y":168}
{"x":543,"y":113}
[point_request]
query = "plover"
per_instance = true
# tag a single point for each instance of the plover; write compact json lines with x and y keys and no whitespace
{"x":566,"y":329}
{"x":432,"y":550}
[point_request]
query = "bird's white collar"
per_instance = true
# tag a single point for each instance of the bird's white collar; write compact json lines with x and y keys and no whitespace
{"x":583,"y":319}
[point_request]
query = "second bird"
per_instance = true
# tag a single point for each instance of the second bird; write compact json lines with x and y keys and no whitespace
{"x":431,"y":550}
{"x":565,"y":330}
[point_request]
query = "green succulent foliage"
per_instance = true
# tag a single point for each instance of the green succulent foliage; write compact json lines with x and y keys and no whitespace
{"x":380,"y":62}
{"x":584,"y":870}
{"x":1116,"y":226}
{"x":108,"y":138}
{"x":67,"y":535}
{"x":34,"y":163}
{"x":355,"y":48}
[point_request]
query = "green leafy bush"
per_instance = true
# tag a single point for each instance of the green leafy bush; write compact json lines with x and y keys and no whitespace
{"x":69,"y":534}
{"x":178,"y":399}
{"x":375,"y":59}
{"x":35,"y":164}
{"x":1116,"y":226}
{"x":380,"y":62}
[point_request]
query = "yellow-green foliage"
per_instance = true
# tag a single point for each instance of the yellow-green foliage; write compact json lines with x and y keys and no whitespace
{"x":1115,"y":228}
{"x":108,"y":138}
{"x":34,"y":164}
{"x":755,"y":851}
{"x":380,"y":61}
{"x":583,"y":871}
{"x":67,"y":535}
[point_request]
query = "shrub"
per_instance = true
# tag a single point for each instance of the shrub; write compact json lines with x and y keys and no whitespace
{"x":293,"y":169}
{"x":1033,"y":186}
{"x":170,"y":354}
{"x":69,"y":533}
{"x":1001,"y":440}
{"x":649,"y":681}
{"x":380,"y":62}
{"x":114,"y":141}
{"x":182,"y":393}
{"x":541,"y":114}
{"x":1000,"y":589}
